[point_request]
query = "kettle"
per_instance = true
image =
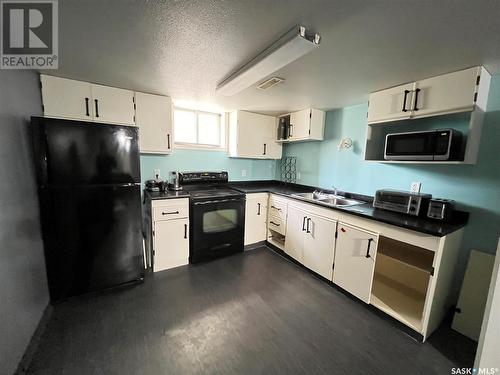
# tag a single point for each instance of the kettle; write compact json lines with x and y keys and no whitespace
{"x":175,"y":184}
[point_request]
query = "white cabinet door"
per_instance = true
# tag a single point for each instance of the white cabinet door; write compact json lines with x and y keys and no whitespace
{"x":445,"y":93}
{"x":112,"y":105}
{"x":255,"y":218}
{"x":273,"y":149}
{"x":295,"y":229}
{"x":252,"y":135}
{"x":66,"y":98}
{"x":300,"y":124}
{"x":154,"y":119}
{"x":355,"y":253}
{"x":319,"y":245}
{"x":171,"y":244}
{"x":249,"y":142}
{"x":391,"y":104}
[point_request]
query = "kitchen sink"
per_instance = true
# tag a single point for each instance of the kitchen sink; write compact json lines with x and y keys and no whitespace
{"x":328,"y":199}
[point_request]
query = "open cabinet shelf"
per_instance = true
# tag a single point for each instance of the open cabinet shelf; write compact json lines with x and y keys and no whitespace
{"x":401,"y":280}
{"x":470,"y":124}
{"x":277,"y":239}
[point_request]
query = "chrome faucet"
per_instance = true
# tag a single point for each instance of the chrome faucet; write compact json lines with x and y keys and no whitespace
{"x":334,"y":190}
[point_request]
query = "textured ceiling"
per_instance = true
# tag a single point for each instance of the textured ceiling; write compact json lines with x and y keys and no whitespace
{"x":184,"y":48}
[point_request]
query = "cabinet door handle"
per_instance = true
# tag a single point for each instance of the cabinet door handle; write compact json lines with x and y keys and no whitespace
{"x":185,"y":231}
{"x":170,"y":213}
{"x":276,"y":208}
{"x":87,"y":113}
{"x":290,"y":133}
{"x":264,"y":149}
{"x":273,"y":223}
{"x":258,"y":208}
{"x":404,"y":100}
{"x":168,"y":141}
{"x":304,"y":224}
{"x":368,"y":248}
{"x":308,"y":221}
{"x":415,"y":108}
{"x":96,"y":101}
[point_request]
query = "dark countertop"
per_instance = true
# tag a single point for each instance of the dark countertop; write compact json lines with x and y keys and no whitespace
{"x":418,"y":224}
{"x":154,"y":195}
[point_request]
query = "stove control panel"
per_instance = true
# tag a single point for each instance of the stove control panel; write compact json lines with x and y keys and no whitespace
{"x":202,"y":177}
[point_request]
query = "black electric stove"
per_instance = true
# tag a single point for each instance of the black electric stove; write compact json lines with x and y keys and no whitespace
{"x":217,"y":215}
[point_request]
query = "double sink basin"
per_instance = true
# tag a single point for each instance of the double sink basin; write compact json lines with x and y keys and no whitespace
{"x":328,"y":199}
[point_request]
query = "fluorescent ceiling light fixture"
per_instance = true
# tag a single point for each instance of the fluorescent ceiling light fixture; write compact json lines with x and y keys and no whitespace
{"x":294,"y":44}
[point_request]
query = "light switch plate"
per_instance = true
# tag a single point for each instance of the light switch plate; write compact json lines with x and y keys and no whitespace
{"x":415,"y":187}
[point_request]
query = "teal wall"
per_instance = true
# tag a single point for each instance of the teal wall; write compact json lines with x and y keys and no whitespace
{"x":196,"y":160}
{"x":476,"y":188}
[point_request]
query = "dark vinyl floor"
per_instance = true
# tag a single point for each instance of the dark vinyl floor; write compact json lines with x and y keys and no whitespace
{"x":253,"y":313}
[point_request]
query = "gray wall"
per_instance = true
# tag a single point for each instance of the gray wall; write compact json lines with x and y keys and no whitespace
{"x":23,"y":284}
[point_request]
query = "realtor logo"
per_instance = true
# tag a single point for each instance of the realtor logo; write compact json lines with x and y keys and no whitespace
{"x":29,"y":34}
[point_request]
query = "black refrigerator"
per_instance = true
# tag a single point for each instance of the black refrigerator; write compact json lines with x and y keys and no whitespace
{"x":90,"y":204}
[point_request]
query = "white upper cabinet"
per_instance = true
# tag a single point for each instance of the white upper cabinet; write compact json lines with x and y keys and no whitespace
{"x":253,"y":135}
{"x":308,"y":124}
{"x":444,"y":94}
{"x":154,"y":119}
{"x":66,"y":98}
{"x":112,"y":105}
{"x":391,"y":104}
{"x":447,"y":93}
{"x":355,"y":254}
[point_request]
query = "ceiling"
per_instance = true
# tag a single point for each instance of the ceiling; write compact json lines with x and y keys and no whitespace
{"x":184,"y":48}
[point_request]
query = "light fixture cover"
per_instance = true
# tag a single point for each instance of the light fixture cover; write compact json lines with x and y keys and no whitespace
{"x":291,"y":46}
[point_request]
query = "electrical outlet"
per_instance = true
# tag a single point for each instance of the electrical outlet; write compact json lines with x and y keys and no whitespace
{"x":157,"y":174}
{"x":415,"y":187}
{"x":243,"y":173}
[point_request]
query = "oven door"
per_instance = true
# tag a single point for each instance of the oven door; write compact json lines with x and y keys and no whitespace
{"x":410,"y":146}
{"x":217,"y":228}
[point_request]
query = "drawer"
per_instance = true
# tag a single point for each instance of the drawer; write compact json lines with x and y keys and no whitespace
{"x":277,"y":208}
{"x":277,"y":224}
{"x":169,"y":209}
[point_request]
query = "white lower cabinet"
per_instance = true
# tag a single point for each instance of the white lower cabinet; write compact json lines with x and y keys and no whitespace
{"x":310,"y":239}
{"x":170,"y":233}
{"x":355,"y":255}
{"x":294,"y":241}
{"x":255,"y":218}
{"x":319,"y":245}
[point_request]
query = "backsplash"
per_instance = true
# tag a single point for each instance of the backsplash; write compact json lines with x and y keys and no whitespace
{"x":475,"y":188}
{"x":201,"y":160}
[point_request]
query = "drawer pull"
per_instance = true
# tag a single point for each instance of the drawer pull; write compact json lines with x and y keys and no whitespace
{"x":185,"y":231}
{"x":273,"y":223}
{"x":308,"y":221}
{"x":87,"y":113}
{"x":258,"y":208}
{"x":96,"y":107}
{"x":276,"y":208}
{"x":304,"y":224}
{"x":170,"y":213}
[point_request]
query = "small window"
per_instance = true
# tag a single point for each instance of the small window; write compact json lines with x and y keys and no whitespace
{"x":198,"y":129}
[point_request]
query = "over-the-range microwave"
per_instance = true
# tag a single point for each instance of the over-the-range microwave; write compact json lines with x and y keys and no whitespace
{"x":443,"y":144}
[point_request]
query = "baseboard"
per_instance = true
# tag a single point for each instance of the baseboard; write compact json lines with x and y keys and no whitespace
{"x":255,"y":245}
{"x":32,"y":347}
